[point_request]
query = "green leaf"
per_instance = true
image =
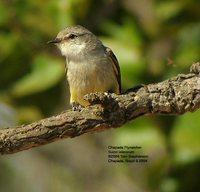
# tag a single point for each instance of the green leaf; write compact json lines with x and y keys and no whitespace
{"x":188,"y":45}
{"x":46,"y":72}
{"x":168,"y":9}
{"x":185,"y":138}
{"x":141,"y":133}
{"x":3,"y":15}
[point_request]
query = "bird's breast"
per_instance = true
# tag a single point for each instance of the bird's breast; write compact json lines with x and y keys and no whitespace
{"x":90,"y":76}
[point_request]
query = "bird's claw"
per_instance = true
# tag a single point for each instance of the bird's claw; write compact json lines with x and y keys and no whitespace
{"x":76,"y":107}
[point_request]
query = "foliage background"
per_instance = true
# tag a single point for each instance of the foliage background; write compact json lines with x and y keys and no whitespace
{"x":153,"y":40}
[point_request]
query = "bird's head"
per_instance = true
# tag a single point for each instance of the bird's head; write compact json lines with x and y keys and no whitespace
{"x":73,"y":41}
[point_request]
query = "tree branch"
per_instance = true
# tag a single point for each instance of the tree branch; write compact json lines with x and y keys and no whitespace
{"x":174,"y":96}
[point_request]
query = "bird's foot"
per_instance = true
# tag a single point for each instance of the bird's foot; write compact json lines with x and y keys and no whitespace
{"x":76,"y":107}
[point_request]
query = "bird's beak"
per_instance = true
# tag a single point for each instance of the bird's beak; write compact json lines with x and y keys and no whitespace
{"x":56,"y":40}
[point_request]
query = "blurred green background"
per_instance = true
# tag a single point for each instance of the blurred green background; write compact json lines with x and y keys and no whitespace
{"x":153,"y":40}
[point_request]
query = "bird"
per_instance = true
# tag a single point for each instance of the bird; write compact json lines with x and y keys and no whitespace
{"x":90,"y":66}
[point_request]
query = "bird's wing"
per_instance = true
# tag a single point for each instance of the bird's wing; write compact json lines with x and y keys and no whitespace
{"x":115,"y":65}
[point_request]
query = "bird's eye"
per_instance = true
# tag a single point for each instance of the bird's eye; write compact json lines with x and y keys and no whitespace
{"x":72,"y":36}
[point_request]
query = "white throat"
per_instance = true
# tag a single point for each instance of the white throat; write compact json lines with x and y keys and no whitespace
{"x":70,"y":50}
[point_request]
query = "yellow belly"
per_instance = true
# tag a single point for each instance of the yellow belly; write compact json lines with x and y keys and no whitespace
{"x":77,"y":95}
{"x":90,"y":78}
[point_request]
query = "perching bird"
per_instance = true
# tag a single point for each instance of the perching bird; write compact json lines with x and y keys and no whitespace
{"x":91,"y":67}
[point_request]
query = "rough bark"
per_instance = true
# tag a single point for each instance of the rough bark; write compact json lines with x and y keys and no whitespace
{"x":174,"y":96}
